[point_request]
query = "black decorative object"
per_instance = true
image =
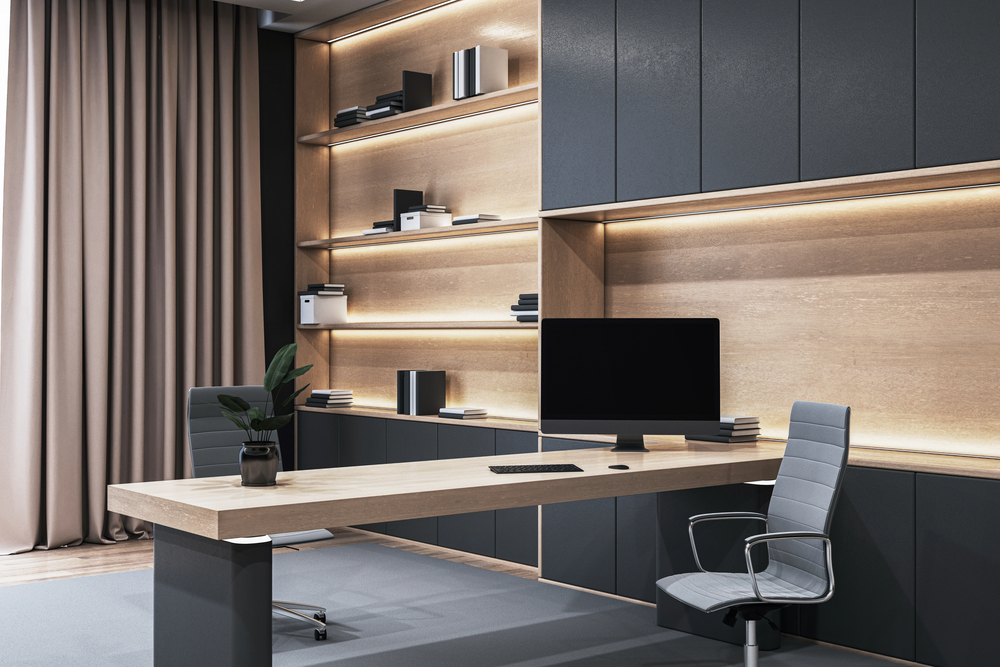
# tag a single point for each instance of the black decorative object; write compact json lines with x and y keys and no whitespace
{"x":402,"y":200}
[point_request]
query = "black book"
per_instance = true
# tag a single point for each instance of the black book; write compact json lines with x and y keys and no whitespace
{"x":744,"y":431}
{"x":445,"y":415}
{"x":432,"y":208}
{"x":397,"y":95}
{"x":326,"y":285}
{"x":416,"y":90}
{"x":402,"y":200}
{"x":321,"y":292}
{"x":419,"y":392}
{"x":527,"y":318}
{"x":528,"y":297}
{"x":722,"y":438}
{"x":528,"y":307}
{"x":527,"y":302}
{"x":353,"y":114}
{"x":465,"y":222}
{"x":384,"y":114}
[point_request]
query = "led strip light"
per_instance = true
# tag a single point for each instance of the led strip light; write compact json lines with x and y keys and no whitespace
{"x":391,"y":21}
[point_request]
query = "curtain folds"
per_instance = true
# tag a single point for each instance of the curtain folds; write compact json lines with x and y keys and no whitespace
{"x":131,"y":250}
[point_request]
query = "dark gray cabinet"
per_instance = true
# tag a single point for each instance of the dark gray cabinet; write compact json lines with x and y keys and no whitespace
{"x":474,"y":532}
{"x":635,"y":538}
{"x":658,"y":98}
{"x":578,"y":538}
{"x":318,"y":436}
{"x":578,"y":121}
{"x":749,"y":93}
{"x":957,"y":569}
{"x":362,"y":443}
{"x":411,"y":441}
{"x":958,"y":81}
{"x":517,"y":528}
{"x":873,"y":541}
{"x":857,"y":85}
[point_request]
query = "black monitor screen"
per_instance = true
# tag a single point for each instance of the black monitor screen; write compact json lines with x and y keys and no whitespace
{"x":650,"y":372}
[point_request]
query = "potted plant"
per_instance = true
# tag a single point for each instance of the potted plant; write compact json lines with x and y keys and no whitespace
{"x":259,"y":457}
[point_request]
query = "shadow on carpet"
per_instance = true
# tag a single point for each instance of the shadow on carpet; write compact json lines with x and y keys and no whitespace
{"x":387,"y":608}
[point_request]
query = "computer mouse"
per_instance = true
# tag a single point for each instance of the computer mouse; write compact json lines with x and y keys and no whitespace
{"x":619,"y":466}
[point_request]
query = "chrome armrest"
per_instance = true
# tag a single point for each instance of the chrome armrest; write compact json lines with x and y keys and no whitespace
{"x":716,"y":516}
{"x":775,"y":537}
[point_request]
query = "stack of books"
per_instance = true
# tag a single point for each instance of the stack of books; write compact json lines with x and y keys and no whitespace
{"x":526,"y":308}
{"x":352,"y":116}
{"x":380,"y":227}
{"x":429,"y":208}
{"x":323,"y":289}
{"x":476,"y":217}
{"x":733,"y":428}
{"x":481,"y":69}
{"x":330,"y":398}
{"x":389,"y":104}
{"x":323,"y":303}
{"x":462,"y":413}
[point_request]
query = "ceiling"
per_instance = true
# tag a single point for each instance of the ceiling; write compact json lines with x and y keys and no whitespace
{"x":293,"y":16}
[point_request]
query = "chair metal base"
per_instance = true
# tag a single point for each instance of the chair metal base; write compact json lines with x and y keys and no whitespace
{"x":750,"y":648}
{"x":317,"y":620}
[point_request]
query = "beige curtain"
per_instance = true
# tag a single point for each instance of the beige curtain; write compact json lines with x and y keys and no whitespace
{"x":131,"y":250}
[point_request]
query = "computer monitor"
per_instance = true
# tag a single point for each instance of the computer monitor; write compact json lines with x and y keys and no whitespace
{"x":629,"y":377}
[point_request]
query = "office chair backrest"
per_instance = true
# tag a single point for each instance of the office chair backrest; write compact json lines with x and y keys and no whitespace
{"x":806,"y":490}
{"x":215,"y":441}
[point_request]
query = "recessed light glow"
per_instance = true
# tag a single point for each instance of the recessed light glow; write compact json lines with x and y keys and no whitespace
{"x":390,"y":21}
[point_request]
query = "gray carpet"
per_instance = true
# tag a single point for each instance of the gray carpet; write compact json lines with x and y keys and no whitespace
{"x":386,"y":608}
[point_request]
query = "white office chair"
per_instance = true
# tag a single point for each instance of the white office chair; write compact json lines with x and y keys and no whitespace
{"x":215,"y":447}
{"x":797,"y":529}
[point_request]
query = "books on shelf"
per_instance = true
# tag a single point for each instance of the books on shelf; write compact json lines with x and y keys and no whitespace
{"x":376,"y":230}
{"x":530,"y":307}
{"x":330,"y":398}
{"x":721,"y":438}
{"x":462,"y":413}
{"x":384,"y":113}
{"x":528,"y":297}
{"x":325,"y":285}
{"x":479,"y":70}
{"x":333,"y":392}
{"x":526,"y":308}
{"x":476,"y":217}
{"x":527,"y":318}
{"x":430,"y":208}
{"x":318,"y":292}
{"x":732,"y":429}
{"x":527,"y":302}
{"x":738,"y":419}
{"x":350,"y":116}
{"x":396,"y":96}
{"x":419,"y":392}
{"x":423,"y":220}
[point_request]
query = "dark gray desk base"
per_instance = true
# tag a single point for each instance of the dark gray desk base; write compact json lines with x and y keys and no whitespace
{"x":211,"y":601}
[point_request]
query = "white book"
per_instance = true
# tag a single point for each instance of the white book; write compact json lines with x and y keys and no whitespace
{"x":377,"y":230}
{"x":338,"y":392}
{"x":357,"y":108}
{"x":463,"y":411}
{"x":477,"y":216}
{"x":515,"y":313}
{"x":738,"y":419}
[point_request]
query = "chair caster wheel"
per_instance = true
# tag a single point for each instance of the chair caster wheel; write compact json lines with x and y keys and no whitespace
{"x":319,"y":634}
{"x":320,"y":616}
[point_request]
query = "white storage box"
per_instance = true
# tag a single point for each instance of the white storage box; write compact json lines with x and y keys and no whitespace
{"x":322,"y":309}
{"x":423,"y":219}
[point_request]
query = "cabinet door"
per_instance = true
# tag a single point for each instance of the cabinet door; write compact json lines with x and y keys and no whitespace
{"x":873,"y":539}
{"x":411,"y":441}
{"x":857,"y":87}
{"x":958,"y":81}
{"x":750,"y":93}
{"x":957,"y":570}
{"x":578,"y":104}
{"x":578,"y":538}
{"x":318,"y":440}
{"x":658,"y":98}
{"x":474,"y":532}
{"x":362,"y":443}
{"x":517,"y":528}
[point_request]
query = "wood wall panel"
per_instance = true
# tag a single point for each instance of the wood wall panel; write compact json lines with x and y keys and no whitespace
{"x":312,"y":197}
{"x":447,"y":280}
{"x":485,"y":164}
{"x":371,"y":64}
{"x":891,"y":306}
{"x":496,"y":370}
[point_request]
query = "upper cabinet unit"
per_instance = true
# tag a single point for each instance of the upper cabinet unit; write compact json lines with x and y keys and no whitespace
{"x":708,"y":96}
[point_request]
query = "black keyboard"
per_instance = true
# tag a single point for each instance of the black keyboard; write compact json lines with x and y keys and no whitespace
{"x":540,"y":467}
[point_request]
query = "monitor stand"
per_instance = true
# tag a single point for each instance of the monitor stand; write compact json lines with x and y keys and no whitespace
{"x":630,"y":443}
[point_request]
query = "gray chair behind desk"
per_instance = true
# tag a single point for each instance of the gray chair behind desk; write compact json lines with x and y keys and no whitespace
{"x":800,"y":564}
{"x":215,"y":447}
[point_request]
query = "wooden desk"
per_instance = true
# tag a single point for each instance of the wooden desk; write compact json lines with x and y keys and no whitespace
{"x":211,"y":597}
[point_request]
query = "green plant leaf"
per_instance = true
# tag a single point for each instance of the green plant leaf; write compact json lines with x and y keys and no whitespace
{"x":236,"y":420}
{"x":288,"y":401}
{"x":291,"y":375}
{"x":256,"y":413}
{"x":274,"y":423}
{"x":233,"y":403}
{"x":279,"y":366}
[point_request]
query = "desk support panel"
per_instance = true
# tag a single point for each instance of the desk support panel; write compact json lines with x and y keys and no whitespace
{"x":211,"y":601}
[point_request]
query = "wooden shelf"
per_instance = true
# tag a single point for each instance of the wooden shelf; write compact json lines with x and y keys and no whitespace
{"x":474,"y":229}
{"x":376,"y":326}
{"x":427,"y":116}
{"x":388,"y":413}
{"x":895,"y":182}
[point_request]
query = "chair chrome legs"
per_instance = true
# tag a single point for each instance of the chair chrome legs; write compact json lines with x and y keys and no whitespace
{"x":318,"y":619}
{"x":750,"y":648}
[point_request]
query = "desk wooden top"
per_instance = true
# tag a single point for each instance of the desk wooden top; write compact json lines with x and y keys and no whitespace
{"x":220,"y":508}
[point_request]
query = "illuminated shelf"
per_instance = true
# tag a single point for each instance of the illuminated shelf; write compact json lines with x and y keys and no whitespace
{"x":974,"y":174}
{"x":474,"y":229}
{"x":389,"y":413}
{"x":472,"y":106}
{"x":385,"y":326}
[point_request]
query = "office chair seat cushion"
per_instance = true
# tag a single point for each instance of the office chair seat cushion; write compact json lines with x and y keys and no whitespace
{"x":711,"y":591}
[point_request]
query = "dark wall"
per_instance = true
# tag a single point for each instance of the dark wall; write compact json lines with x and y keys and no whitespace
{"x":277,"y":198}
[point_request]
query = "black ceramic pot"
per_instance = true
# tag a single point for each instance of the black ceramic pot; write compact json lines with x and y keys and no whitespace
{"x":259,"y":463}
